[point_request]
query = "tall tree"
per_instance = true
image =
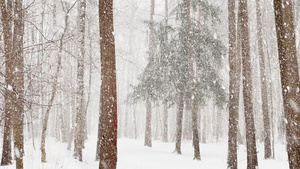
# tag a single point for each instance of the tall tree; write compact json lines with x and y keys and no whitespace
{"x":264,"y":92}
{"x":285,"y":29}
{"x":108,"y":105}
{"x":6,"y":18}
{"x":192,"y":78}
{"x":80,"y":109}
{"x":165,"y":103}
{"x":148,"y":131}
{"x":54,"y":86}
{"x":18,"y":83}
{"x":234,"y":87}
{"x":247,"y":88}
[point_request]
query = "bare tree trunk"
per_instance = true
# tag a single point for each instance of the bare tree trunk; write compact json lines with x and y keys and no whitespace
{"x":165,"y":122}
{"x":54,"y":87}
{"x":179,"y":124}
{"x":148,"y":131}
{"x":18,"y":84}
{"x":165,"y":102}
{"x":6,"y":18}
{"x":80,"y":109}
{"x":247,"y":88}
{"x":286,"y":40}
{"x":264,"y":93}
{"x":109,"y":116}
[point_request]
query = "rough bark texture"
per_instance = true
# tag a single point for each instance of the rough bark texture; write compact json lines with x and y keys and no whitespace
{"x":18,"y":84}
{"x":289,"y":77}
{"x":263,"y":79}
{"x":148,"y":131}
{"x":247,"y":88}
{"x":6,"y":18}
{"x":109,"y":121}
{"x":80,"y":109}
{"x":179,"y":124}
{"x":234,"y":88}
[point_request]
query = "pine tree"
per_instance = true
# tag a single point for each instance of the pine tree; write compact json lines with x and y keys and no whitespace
{"x":247,"y":88}
{"x":284,"y":20}
{"x":6,"y":18}
{"x":108,"y":117}
{"x":264,"y":93}
{"x":234,"y":87}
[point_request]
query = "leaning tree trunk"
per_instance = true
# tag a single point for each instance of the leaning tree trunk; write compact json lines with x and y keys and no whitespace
{"x":264,"y":93}
{"x":234,"y":88}
{"x":18,"y":84}
{"x":80,"y":109}
{"x":6,"y":18}
{"x":108,"y":116}
{"x":54,"y":88}
{"x":247,"y":88}
{"x":289,"y":77}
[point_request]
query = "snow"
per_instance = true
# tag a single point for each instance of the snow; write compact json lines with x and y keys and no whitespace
{"x":132,"y":154}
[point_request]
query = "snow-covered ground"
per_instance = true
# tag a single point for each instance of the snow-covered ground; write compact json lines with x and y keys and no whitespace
{"x":133,"y":155}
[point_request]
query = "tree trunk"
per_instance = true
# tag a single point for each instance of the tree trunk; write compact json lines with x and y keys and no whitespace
{"x":80,"y":109}
{"x":109,"y":117}
{"x":179,"y":124}
{"x":264,"y":93}
{"x":165,"y":122}
{"x":18,"y":84}
{"x":195,"y":130}
{"x":148,"y":131}
{"x":247,"y":88}
{"x":289,"y":77}
{"x":6,"y":18}
{"x":165,"y":102}
{"x":54,"y":88}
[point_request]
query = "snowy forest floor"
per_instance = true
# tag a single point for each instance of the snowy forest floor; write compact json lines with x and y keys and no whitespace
{"x":132,"y":154}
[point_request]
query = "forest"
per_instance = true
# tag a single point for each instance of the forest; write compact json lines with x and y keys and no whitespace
{"x":145,"y":84}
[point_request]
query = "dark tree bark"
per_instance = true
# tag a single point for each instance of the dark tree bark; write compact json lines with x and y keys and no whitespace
{"x":234,"y":88}
{"x":264,"y":92}
{"x":148,"y":131}
{"x":179,"y":124}
{"x":109,"y":121}
{"x":284,"y":19}
{"x":18,"y":84}
{"x":6,"y":18}
{"x":247,"y":88}
{"x":80,"y":109}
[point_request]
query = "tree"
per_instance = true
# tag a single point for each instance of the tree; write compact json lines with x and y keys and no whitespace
{"x":148,"y":130}
{"x":80,"y":109}
{"x":264,"y":93}
{"x":284,"y":20}
{"x":54,"y":86}
{"x":247,"y":88}
{"x":6,"y":18}
{"x":18,"y":83}
{"x":108,"y":105}
{"x":234,"y":87}
{"x":165,"y":103}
